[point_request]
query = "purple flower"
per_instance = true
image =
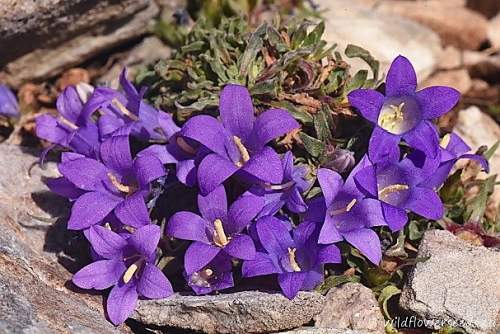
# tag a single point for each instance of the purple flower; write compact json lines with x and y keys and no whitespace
{"x":400,"y":187}
{"x":117,"y":184}
{"x":403,"y":113}
{"x":217,"y":229}
{"x":71,"y":128}
{"x":128,"y":265}
{"x":296,"y":259}
{"x":452,"y":148}
{"x":127,"y":109}
{"x":215,"y":276}
{"x":348,"y":214}
{"x":239,"y":142}
{"x":288,"y":192}
{"x":8,"y":102}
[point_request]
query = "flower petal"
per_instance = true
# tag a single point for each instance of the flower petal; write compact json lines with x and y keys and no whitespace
{"x":329,"y":232}
{"x":133,"y":211}
{"x":69,"y":105}
{"x":208,"y":131}
{"x":145,"y":239}
{"x":401,"y":78}
{"x":424,"y":138}
{"x":236,"y":110}
{"x":261,"y":265}
{"x":90,"y":179}
{"x":121,"y":302}
{"x":240,"y":246}
{"x":105,"y":242}
{"x":212,"y":171}
{"x":62,"y":187}
{"x":367,"y":242}
{"x":48,"y":128}
{"x":383,"y":146}
{"x":426,"y":203}
{"x":270,"y":125}
{"x":214,"y":205}
{"x":90,"y":209}
{"x":186,"y":172}
{"x":153,"y":283}
{"x":99,"y":275}
{"x":366,"y":180}
{"x":295,"y":202}
{"x":147,"y":169}
{"x":396,"y":218}
{"x":437,"y":100}
{"x":187,"y":226}
{"x":368,"y":102}
{"x":115,"y":153}
{"x":265,"y":166}
{"x":274,"y":235}
{"x":291,"y":283}
{"x":198,"y":255}
{"x":242,"y":211}
{"x":329,"y":254}
{"x":331,"y":183}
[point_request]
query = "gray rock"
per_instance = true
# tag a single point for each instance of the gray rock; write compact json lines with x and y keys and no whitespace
{"x":459,"y":284}
{"x":59,"y":34}
{"x":241,"y":312}
{"x":385,"y":36}
{"x":34,"y":289}
{"x":146,"y":52}
{"x":315,"y":330}
{"x":351,"y":306}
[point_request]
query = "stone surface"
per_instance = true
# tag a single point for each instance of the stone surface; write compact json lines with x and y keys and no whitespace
{"x":450,"y":59}
{"x":458,"y":283}
{"x":314,"y":330}
{"x":351,"y":306}
{"x":458,"y":79}
{"x":59,"y":34}
{"x":146,"y":52}
{"x":478,"y":128}
{"x":241,"y":312}
{"x":456,"y":25}
{"x":386,"y":37}
{"x":35,"y":294}
{"x":494,"y":31}
{"x":486,"y":7}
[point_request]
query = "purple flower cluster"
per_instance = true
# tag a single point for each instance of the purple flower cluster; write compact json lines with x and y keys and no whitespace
{"x":250,"y":211}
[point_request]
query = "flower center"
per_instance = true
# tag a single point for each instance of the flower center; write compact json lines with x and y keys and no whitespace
{"x":200,"y":278}
{"x":445,"y":141}
{"x":67,"y":123}
{"x":120,"y":186}
{"x":284,"y":186}
{"x":124,"y":110}
{"x":185,"y":146}
{"x":392,"y":117}
{"x":131,"y":271}
{"x":243,"y":151}
{"x":344,"y":210}
{"x":291,"y":257}
{"x":220,"y":238}
{"x":394,"y":188}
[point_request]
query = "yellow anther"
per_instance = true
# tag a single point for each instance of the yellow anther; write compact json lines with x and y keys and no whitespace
{"x":445,"y":141}
{"x":390,"y":119}
{"x":392,"y":189}
{"x":398,"y":110}
{"x":208,"y":273}
{"x":121,"y":187}
{"x":293,"y":261}
{"x":131,"y":271}
{"x":124,"y":110}
{"x":344,"y":210}
{"x":243,"y":151}
{"x":185,"y":146}
{"x":220,"y":238}
{"x":68,"y":123}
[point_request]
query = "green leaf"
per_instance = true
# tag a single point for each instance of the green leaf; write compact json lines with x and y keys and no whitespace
{"x":322,"y":121}
{"x":387,"y":293}
{"x":354,"y":51}
{"x":315,"y":35}
{"x":477,"y":206}
{"x":452,"y":190}
{"x":195,"y":46}
{"x":254,"y":45}
{"x":398,"y":250}
{"x":489,"y":153}
{"x":312,"y":145}
{"x":414,"y":232}
{"x":357,"y":81}
{"x":335,"y":280}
